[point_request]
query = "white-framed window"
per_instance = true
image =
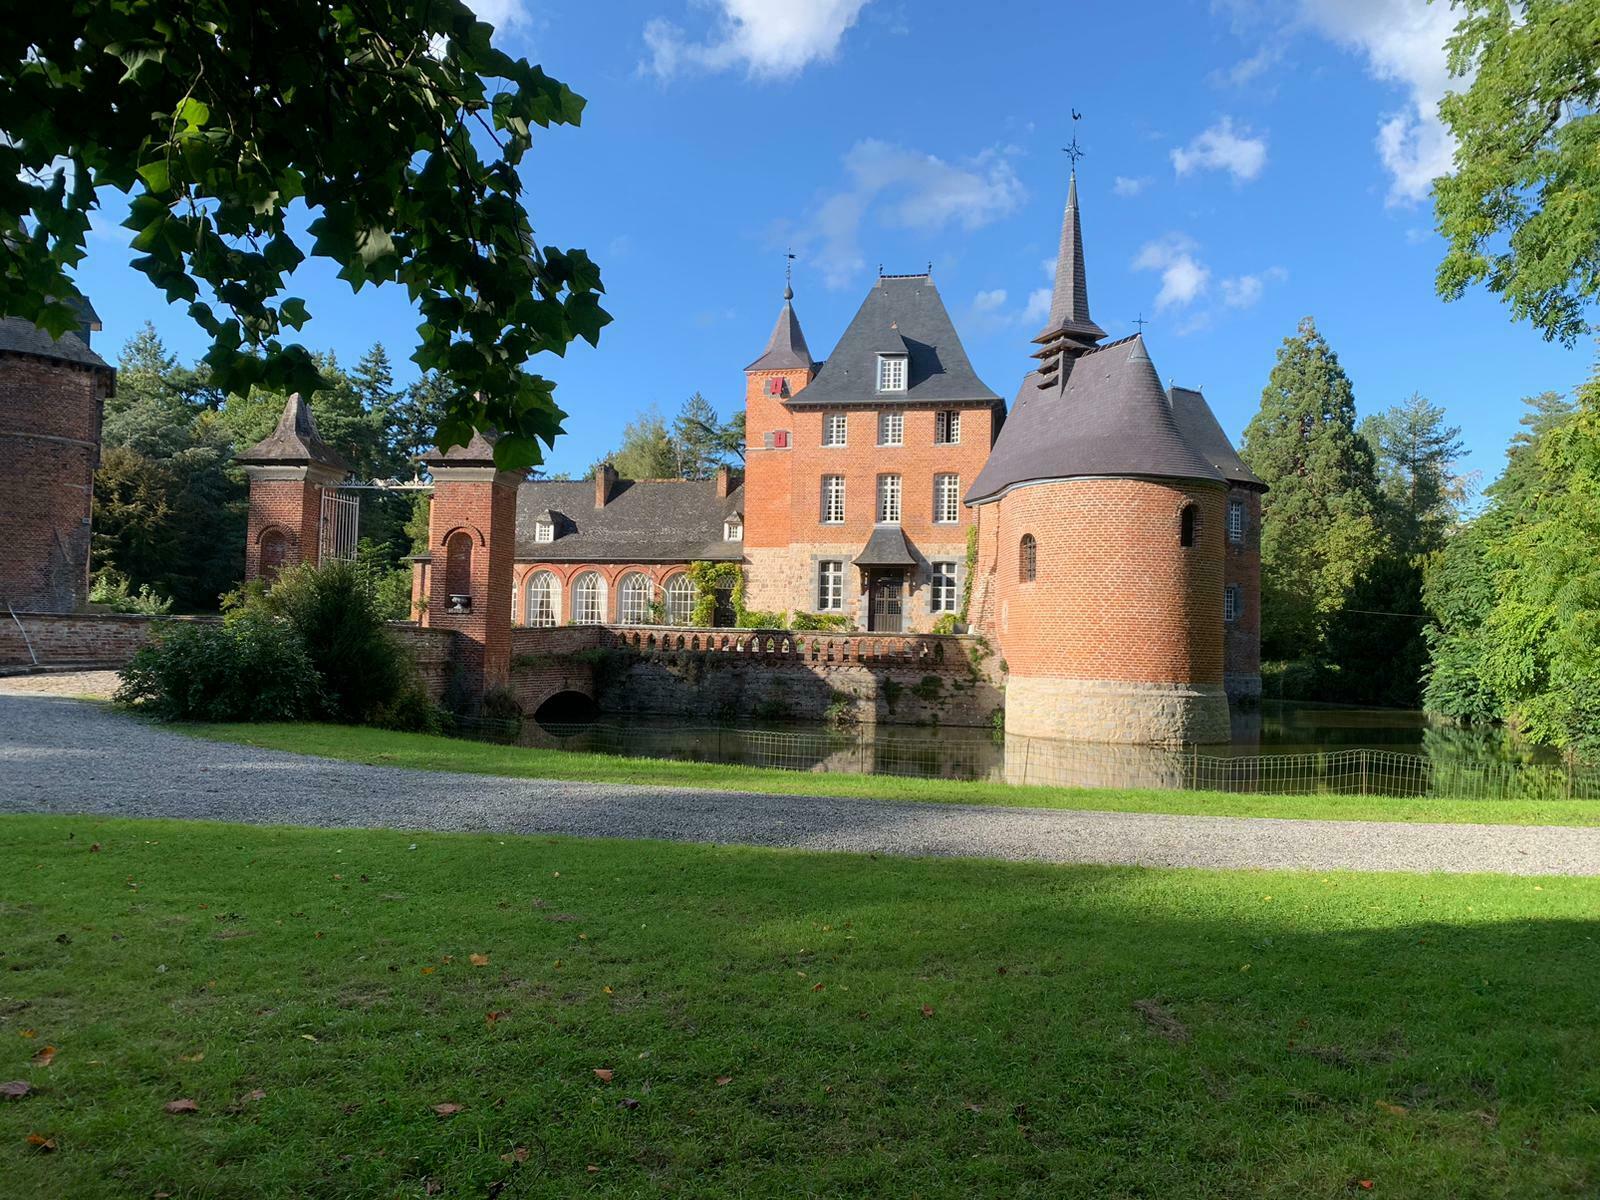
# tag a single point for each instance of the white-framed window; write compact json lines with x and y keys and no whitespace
{"x":680,"y":597}
{"x":544,"y":531}
{"x":942,"y":596}
{"x":541,"y":600}
{"x":733,"y":528}
{"x":891,"y":372}
{"x":835,"y":427}
{"x":1232,"y":603}
{"x":589,"y":599}
{"x":830,"y":586}
{"x":891,"y":428}
{"x":1236,"y":519}
{"x":947,"y":428}
{"x":833,"y":499}
{"x":889,"y":499}
{"x":946,"y":499}
{"x":633,"y":599}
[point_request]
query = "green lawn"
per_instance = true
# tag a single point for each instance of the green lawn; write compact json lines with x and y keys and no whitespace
{"x":384,"y":748}
{"x":777,"y":1023}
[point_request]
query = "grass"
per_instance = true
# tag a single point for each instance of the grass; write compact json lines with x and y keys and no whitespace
{"x":777,"y":1023}
{"x":385,"y":748}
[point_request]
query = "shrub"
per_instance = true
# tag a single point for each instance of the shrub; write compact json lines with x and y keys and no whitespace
{"x":334,"y":610}
{"x":753,"y":619}
{"x":249,"y":668}
{"x":112,"y":589}
{"x":946,"y":624}
{"x":815,"y":621}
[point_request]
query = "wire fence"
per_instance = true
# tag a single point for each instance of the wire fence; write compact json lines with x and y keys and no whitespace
{"x":1018,"y":759}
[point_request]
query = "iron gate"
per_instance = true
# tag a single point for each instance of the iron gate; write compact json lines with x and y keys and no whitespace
{"x":341,"y":525}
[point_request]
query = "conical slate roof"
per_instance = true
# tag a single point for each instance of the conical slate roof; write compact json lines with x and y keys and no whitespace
{"x":1199,"y":426}
{"x":786,"y":348}
{"x":295,"y":441}
{"x":1111,"y":418}
{"x":1069,"y":304}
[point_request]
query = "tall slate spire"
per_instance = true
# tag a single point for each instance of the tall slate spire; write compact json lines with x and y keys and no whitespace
{"x":786,"y":348}
{"x":1070,"y":329}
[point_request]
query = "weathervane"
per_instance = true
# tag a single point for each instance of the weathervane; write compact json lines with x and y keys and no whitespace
{"x":1074,"y":151}
{"x":788,"y":273}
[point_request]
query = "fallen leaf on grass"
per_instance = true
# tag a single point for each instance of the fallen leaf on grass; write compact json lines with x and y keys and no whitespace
{"x":478,"y":960}
{"x":724,"y":1080}
{"x":44,"y":1145}
{"x":15,"y":1089}
{"x":971,"y":1107}
{"x":197,"y":1056}
{"x":258,"y":1094}
{"x":427,"y":970}
{"x":448,"y":1110}
{"x":1394,"y":1110}
{"x":95,"y":849}
{"x":28,"y":1033}
{"x":607,"y":990}
{"x":519,"y":1155}
{"x":1364,"y":1184}
{"x":308,"y":1037}
{"x":927,"y":1010}
{"x":604,"y":1074}
{"x":817,"y":987}
{"x":45,"y":1055}
{"x":592,"y":1169}
{"x":491,"y":1017}
{"x":1161,"y":1021}
{"x":178,"y":1107}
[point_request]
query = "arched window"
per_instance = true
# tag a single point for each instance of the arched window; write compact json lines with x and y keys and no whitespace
{"x":588,"y":599}
{"x":633,"y":599}
{"x":1189,"y":525}
{"x":680,"y":597}
{"x":541,"y":600}
{"x":274,"y":553}
{"x":1028,"y":559}
{"x":458,"y":566}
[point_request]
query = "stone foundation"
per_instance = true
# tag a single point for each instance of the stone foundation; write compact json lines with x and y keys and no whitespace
{"x":1100,"y":710}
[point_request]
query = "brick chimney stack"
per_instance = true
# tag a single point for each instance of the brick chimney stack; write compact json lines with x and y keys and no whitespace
{"x":605,"y":482}
{"x":724,"y":482}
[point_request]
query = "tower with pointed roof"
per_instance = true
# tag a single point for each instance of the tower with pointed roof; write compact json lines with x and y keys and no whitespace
{"x":288,"y":471}
{"x":1103,"y":515}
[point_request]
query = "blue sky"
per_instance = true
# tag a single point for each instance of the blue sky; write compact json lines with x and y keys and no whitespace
{"x":1247,"y":164}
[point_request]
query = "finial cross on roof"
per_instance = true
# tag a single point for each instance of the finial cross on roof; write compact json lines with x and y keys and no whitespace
{"x":1074,"y":151}
{"x":1140,"y":322}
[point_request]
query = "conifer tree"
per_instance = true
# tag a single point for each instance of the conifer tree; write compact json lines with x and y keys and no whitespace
{"x":1319,"y":531}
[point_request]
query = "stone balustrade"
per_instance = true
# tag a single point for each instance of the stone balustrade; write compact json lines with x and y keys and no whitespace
{"x":929,"y":652}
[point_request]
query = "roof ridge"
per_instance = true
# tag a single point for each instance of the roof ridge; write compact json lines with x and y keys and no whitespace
{"x":1108,"y":345}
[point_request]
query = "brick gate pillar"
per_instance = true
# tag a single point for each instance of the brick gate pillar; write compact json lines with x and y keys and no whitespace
{"x":472,"y":528}
{"x":288,"y":470}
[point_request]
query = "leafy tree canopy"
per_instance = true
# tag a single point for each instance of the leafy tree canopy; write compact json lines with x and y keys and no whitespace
{"x":385,"y":136}
{"x":1520,"y":212}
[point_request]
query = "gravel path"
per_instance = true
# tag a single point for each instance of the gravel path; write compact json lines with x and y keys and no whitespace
{"x":59,"y":755}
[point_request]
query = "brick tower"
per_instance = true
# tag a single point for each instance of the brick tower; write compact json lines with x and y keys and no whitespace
{"x":1101,"y":541}
{"x":472,"y":528}
{"x":288,"y":471}
{"x":52,"y":393}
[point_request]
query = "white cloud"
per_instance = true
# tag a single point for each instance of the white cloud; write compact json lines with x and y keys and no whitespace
{"x":1184,"y":278}
{"x":768,"y":38}
{"x":1223,"y":148}
{"x":1123,"y":186}
{"x":1248,"y":69}
{"x":906,"y":189}
{"x":1242,"y":291}
{"x":989,"y":301}
{"x":1038,"y":307}
{"x":502,"y":14}
{"x":1403,"y":43}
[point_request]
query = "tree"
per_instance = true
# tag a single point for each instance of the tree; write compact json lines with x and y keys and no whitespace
{"x":1319,"y":530}
{"x":648,"y":450}
{"x":703,"y":441}
{"x":1519,"y":213}
{"x":226,"y":118}
{"x":1420,"y":491}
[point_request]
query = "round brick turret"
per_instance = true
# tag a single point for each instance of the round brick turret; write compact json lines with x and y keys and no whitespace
{"x":52,"y":394}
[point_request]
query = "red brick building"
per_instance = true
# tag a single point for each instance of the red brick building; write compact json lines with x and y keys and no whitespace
{"x":52,"y":397}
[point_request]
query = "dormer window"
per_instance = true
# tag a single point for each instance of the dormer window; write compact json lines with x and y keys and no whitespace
{"x":733,"y":528}
{"x":544,"y":527}
{"x":891,"y":372}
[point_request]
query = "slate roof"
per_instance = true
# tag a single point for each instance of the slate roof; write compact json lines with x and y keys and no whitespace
{"x":478,"y":452}
{"x":1110,"y":418}
{"x":1069,"y":303}
{"x":1199,"y":426}
{"x":886,"y":548}
{"x":907,"y":308}
{"x":645,"y":520}
{"x":786,"y":348}
{"x":18,"y":336}
{"x":295,"y":441}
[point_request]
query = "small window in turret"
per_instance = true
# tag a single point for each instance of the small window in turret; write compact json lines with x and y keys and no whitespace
{"x":1188,"y":525}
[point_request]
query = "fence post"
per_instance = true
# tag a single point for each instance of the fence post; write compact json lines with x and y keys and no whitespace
{"x":1194,"y":768}
{"x":1363,"y":772}
{"x":1027,"y":755}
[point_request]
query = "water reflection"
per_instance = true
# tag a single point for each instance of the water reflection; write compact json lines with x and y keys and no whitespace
{"x":1279,"y":747}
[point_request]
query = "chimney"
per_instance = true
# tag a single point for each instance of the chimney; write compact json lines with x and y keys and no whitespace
{"x":724,"y":482}
{"x":605,"y":481}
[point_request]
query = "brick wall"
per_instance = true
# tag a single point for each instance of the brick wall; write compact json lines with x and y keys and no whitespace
{"x":480,"y":504}
{"x":1241,"y":647}
{"x":291,"y":508}
{"x":50,"y":443}
{"x":82,"y":639}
